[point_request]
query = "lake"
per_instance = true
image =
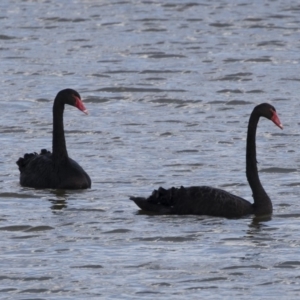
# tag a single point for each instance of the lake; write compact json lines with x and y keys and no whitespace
{"x":170,"y":86}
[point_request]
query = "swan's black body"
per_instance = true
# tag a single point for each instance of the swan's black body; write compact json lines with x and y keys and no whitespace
{"x":55,"y":170}
{"x":205,"y":200}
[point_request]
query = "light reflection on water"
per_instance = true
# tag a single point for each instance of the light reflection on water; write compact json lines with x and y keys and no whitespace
{"x":169,"y":88}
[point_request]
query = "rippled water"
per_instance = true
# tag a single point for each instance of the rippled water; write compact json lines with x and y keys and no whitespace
{"x":169,"y":86}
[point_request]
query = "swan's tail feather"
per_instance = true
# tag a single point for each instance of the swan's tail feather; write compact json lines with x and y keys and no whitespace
{"x":23,"y":161}
{"x":145,"y":204}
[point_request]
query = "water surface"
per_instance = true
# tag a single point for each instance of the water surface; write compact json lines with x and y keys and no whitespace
{"x":170,"y":87}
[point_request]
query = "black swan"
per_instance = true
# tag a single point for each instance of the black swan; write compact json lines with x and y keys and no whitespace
{"x":205,"y":200}
{"x":55,"y":170}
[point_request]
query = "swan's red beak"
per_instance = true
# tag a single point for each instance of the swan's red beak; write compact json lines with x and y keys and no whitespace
{"x":276,"y":120}
{"x":79,"y":104}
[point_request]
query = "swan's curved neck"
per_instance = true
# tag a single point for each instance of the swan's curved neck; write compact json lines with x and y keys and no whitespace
{"x":59,"y":150}
{"x":262,"y":202}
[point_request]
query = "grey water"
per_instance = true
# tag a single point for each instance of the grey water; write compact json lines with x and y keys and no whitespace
{"x":169,"y":86}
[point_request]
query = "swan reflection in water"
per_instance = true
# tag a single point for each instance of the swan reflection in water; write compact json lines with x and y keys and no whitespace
{"x":59,"y":201}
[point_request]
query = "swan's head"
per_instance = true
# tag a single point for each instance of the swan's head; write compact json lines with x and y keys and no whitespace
{"x":72,"y":97}
{"x":268,"y":111}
